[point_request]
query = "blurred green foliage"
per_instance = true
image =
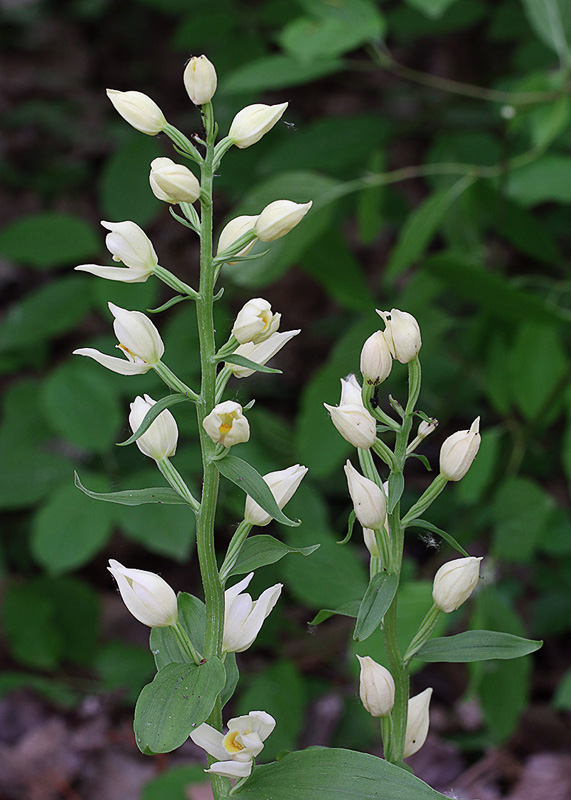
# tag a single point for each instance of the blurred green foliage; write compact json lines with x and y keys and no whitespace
{"x":432,"y":196}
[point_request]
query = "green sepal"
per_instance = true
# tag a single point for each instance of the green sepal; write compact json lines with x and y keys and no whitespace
{"x":422,"y":458}
{"x":242,"y":361}
{"x":375,"y":604}
{"x":476,"y":646}
{"x":250,"y":481}
{"x":263,"y":550}
{"x":180,"y":698}
{"x":349,"y":609}
{"x":152,"y":414}
{"x":350,"y":524}
{"x":422,"y":523}
{"x":133,"y":497}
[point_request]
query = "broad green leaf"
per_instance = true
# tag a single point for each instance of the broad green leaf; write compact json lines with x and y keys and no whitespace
{"x":242,"y":361}
{"x":331,"y":262}
{"x":69,"y":530}
{"x":421,"y":227}
{"x":28,"y":474}
{"x":24,"y":424}
{"x":475,"y":484}
{"x":250,"y":481}
{"x":277,"y":72}
{"x":432,"y":8}
{"x":152,"y":414}
{"x":548,"y":179}
{"x":350,"y":609}
{"x":49,"y":239}
{"x":261,"y":550}
{"x":124,"y":190}
{"x":125,"y":668}
{"x":168,"y":530}
{"x":324,"y":773}
{"x":375,"y":604}
{"x":422,"y":523}
{"x":58,"y":693}
{"x":551,"y":21}
{"x":176,"y":782}
{"x":548,"y":122}
{"x":522,"y":512}
{"x":476,"y":646}
{"x":179,"y":699}
{"x":45,"y":313}
{"x":163,"y":642}
{"x":133,"y":497}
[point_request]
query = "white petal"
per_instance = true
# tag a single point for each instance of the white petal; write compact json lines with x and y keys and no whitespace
{"x":209,"y":739}
{"x":262,"y":723}
{"x":231,"y":769}
{"x":124,"y":274}
{"x":233,"y":592}
{"x":120,"y":365}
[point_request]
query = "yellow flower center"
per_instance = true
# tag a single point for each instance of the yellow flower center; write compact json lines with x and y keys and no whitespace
{"x":230,"y":744}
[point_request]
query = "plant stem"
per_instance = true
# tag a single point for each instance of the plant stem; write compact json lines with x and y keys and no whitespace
{"x":186,"y":645}
{"x":236,"y":543}
{"x":423,"y":633}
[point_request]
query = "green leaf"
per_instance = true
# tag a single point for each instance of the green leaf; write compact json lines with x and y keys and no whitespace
{"x":152,"y":414}
{"x":422,"y":523}
{"x":175,"y":784}
{"x":262,"y":550}
{"x":421,"y":227}
{"x":124,"y":191}
{"x":28,"y":474}
{"x":551,"y":21}
{"x":242,"y":361}
{"x":522,"y":512}
{"x":250,"y":481}
{"x":375,"y":604}
{"x":192,"y":618}
{"x":332,"y":263}
{"x":277,"y":72}
{"x":396,"y":488}
{"x":476,"y":646}
{"x":350,"y":609}
{"x":133,"y":497}
{"x":168,"y":530}
{"x":431,"y":8}
{"x":232,"y":678}
{"x":544,"y":180}
{"x":562,"y":699}
{"x":69,"y":530}
{"x":179,"y":699}
{"x":50,"y":239}
{"x":123,"y":668}
{"x":324,"y":773}
{"x":350,"y":526}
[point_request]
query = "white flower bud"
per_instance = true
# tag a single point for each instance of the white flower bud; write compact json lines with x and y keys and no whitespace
{"x":130,"y":244}
{"x":252,"y":122}
{"x":283,"y":485}
{"x":160,"y":439}
{"x":227,"y":424}
{"x":139,"y":111}
{"x":402,"y":334}
{"x":234,"y":230}
{"x":351,"y":418}
{"x":426,"y":428}
{"x":376,"y":359}
{"x":459,"y":451}
{"x":371,"y":542}
{"x":417,"y":723}
{"x":173,"y":183}
{"x":368,"y":499}
{"x":351,"y":392}
{"x":255,"y":321}
{"x":147,"y":596}
{"x":260,"y":353}
{"x":279,"y":218}
{"x":454,"y":583}
{"x":200,"y":80}
{"x":244,"y":617}
{"x":376,"y":687}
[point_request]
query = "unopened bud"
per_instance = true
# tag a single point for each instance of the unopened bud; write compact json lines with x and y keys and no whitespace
{"x":200,"y":80}
{"x":255,"y":321}
{"x":139,"y":111}
{"x":351,"y":418}
{"x":426,"y":428}
{"x":173,"y":183}
{"x":459,"y":451}
{"x":234,"y":230}
{"x":376,"y":687}
{"x":371,"y":542}
{"x":418,"y":722}
{"x":376,"y":359}
{"x":454,"y":583}
{"x":283,"y":485}
{"x":252,"y":122}
{"x":279,"y":218}
{"x":147,"y":596}
{"x":402,"y":333}
{"x":368,"y":499}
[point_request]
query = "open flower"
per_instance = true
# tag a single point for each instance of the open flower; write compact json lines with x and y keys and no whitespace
{"x":227,"y":424}
{"x":244,"y":617}
{"x":161,"y":437}
{"x":147,"y":596}
{"x":255,"y":321}
{"x":260,"y":353}
{"x":139,"y":341}
{"x":283,"y":485}
{"x":128,"y":243}
{"x":236,"y":750}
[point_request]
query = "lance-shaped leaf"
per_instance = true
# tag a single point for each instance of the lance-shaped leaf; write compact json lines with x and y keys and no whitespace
{"x":350,"y":609}
{"x":327,"y":773}
{"x":396,"y":488}
{"x":179,"y":699}
{"x":242,"y":361}
{"x":375,"y":604}
{"x":477,"y":646}
{"x":164,"y":643}
{"x":152,"y":414}
{"x":250,"y":481}
{"x":133,"y":497}
{"x":350,"y":524}
{"x":422,"y":523}
{"x":263,"y":550}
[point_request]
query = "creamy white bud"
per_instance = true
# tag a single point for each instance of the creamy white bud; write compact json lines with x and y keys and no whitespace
{"x":376,"y":687}
{"x":368,"y":499}
{"x":244,"y":617}
{"x":147,"y":596}
{"x":255,"y":321}
{"x":139,"y":111}
{"x":454,"y":583}
{"x":252,"y":122}
{"x":371,"y":542}
{"x":232,"y":232}
{"x":426,"y":428}
{"x":351,"y":392}
{"x":283,"y":485}
{"x":129,"y":243}
{"x":160,"y":439}
{"x":418,"y":722}
{"x":227,"y":424}
{"x":279,"y":218}
{"x":200,"y":80}
{"x":459,"y":451}
{"x":351,"y":418}
{"x":137,"y":335}
{"x":173,"y":183}
{"x":402,"y":333}
{"x":376,"y":359}
{"x":261,"y":353}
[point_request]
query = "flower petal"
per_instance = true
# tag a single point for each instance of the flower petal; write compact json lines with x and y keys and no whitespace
{"x":210,"y":739}
{"x":231,"y":769}
{"x":120,"y":365}
{"x":124,"y":274}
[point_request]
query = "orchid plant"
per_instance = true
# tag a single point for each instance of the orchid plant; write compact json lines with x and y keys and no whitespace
{"x":194,"y":641}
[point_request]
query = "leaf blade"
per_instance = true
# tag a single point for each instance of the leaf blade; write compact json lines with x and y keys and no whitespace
{"x":263,"y":550}
{"x":375,"y":604}
{"x":133,"y":497}
{"x":151,"y":415}
{"x":476,"y":646}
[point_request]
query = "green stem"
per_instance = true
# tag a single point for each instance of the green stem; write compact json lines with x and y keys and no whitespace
{"x":175,"y":479}
{"x":236,"y":544}
{"x":171,"y":280}
{"x":425,"y":500}
{"x":175,"y":383}
{"x":423,"y":633}
{"x":367,"y":393}
{"x":186,"y":645}
{"x":183,"y":143}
